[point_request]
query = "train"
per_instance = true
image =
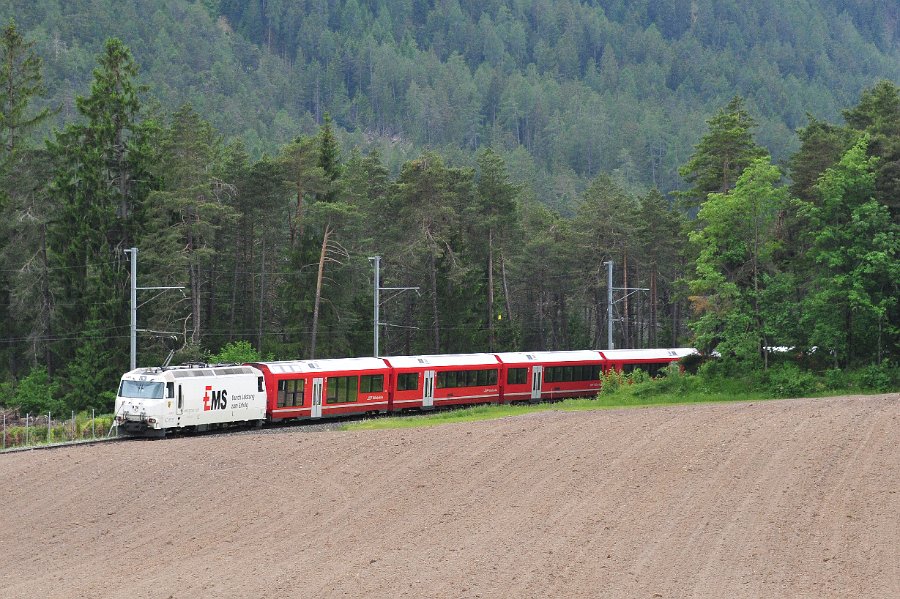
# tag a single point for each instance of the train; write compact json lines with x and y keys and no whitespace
{"x":154,"y":401}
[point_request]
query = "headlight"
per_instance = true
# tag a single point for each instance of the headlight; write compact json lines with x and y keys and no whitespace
{"x":151,"y":420}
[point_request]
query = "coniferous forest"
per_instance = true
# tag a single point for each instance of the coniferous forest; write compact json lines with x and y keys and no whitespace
{"x":740,"y":164}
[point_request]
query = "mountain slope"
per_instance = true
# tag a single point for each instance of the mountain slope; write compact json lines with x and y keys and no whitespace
{"x":568,"y":88}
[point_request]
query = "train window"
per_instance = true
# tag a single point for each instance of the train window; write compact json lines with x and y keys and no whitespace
{"x":342,"y":389}
{"x":259,"y":384}
{"x":516,"y":376}
{"x":482,"y":378}
{"x":653,"y":369}
{"x":281,"y":393}
{"x":628,"y":368}
{"x":473,"y":377}
{"x":492,"y":377}
{"x":299,"y":386}
{"x":568,"y":374}
{"x":371,"y":383}
{"x":408,"y":381}
{"x":170,"y":390}
{"x":291,"y":392}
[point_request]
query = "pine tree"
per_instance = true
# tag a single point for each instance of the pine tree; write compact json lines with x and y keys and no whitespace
{"x":24,"y":296}
{"x":495,"y":218}
{"x":878,"y":114}
{"x":722,"y":154}
{"x":100,"y":183}
{"x":188,"y":210}
{"x":329,"y":158}
{"x":736,"y":244}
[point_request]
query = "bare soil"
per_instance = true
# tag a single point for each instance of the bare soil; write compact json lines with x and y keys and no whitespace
{"x":797,"y":498}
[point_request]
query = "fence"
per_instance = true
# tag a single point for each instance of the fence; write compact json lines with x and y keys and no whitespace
{"x":42,"y":430}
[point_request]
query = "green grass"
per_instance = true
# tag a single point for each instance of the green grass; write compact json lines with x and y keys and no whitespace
{"x":672,"y":391}
{"x":491,"y":412}
{"x":60,"y":431}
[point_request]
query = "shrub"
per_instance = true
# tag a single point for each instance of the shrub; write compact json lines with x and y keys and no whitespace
{"x":237,"y":352}
{"x":37,"y":394}
{"x":611,"y":382}
{"x":878,"y":377}
{"x":638,"y":376}
{"x":835,"y":378}
{"x":692,"y":362}
{"x":787,"y":380}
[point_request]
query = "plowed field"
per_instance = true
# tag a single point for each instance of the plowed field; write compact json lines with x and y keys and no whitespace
{"x":797,"y":498}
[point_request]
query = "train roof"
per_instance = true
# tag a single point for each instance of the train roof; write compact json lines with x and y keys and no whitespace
{"x":583,"y":355}
{"x":675,"y":353}
{"x":188,"y":370}
{"x":442,"y":360}
{"x":327,"y":365}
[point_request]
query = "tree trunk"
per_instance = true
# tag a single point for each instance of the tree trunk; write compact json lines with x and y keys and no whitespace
{"x":626,"y":320}
{"x":653,"y":307}
{"x":262,"y":297}
{"x":46,"y":301}
{"x":490,"y":297}
{"x":296,"y":224}
{"x":315,"y":322}
{"x":505,"y":288}
{"x":432,"y":266}
{"x":234,"y":286}
{"x":194,"y":275}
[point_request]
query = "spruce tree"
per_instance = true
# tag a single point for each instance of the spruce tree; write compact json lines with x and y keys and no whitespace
{"x":99,"y":184}
{"x":722,"y":154}
{"x":24,"y":294}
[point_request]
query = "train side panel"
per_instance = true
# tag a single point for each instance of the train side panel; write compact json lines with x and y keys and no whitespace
{"x":426,"y":382}
{"x":550,"y":375}
{"x":322,"y":388}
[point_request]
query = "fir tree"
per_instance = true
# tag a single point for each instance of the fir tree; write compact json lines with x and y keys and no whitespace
{"x":722,"y":154}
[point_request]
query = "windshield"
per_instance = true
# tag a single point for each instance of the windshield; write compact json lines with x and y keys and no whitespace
{"x":141,"y":390}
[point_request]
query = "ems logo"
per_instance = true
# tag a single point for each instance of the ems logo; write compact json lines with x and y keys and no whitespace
{"x":214,"y":400}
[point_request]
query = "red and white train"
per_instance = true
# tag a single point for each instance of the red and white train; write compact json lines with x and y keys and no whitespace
{"x":152,"y":401}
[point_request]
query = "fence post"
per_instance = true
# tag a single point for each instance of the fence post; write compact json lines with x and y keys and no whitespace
{"x":93,"y":425}
{"x":48,"y":428}
{"x":26,"y":429}
{"x":73,"y":425}
{"x":4,"y":431}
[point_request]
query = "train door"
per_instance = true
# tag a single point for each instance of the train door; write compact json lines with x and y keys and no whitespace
{"x":537,"y":375}
{"x":179,"y":403}
{"x":317,"y":398}
{"x":428,"y":390}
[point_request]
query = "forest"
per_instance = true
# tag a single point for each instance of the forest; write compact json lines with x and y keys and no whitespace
{"x":742,"y":245}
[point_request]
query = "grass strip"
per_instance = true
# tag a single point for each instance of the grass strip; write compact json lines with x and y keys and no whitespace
{"x":603,"y":402}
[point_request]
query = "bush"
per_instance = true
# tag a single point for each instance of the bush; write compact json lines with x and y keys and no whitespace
{"x":787,"y":380}
{"x":638,"y":376}
{"x":37,"y":394}
{"x":835,"y":378}
{"x":878,"y":377}
{"x":238,"y":352}
{"x":612,"y":382}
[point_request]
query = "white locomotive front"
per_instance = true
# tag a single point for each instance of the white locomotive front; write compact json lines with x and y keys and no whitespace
{"x":151,"y":401}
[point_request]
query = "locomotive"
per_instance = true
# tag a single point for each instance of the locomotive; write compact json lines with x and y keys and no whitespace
{"x":154,"y":401}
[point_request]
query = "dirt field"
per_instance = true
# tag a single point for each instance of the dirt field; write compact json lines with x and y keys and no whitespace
{"x":795,"y":498}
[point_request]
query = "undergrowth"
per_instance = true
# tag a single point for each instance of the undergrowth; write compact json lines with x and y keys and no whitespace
{"x":83,"y":428}
{"x":714,"y":382}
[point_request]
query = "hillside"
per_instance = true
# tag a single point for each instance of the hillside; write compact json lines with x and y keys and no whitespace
{"x":568,"y":89}
{"x":790,"y":498}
